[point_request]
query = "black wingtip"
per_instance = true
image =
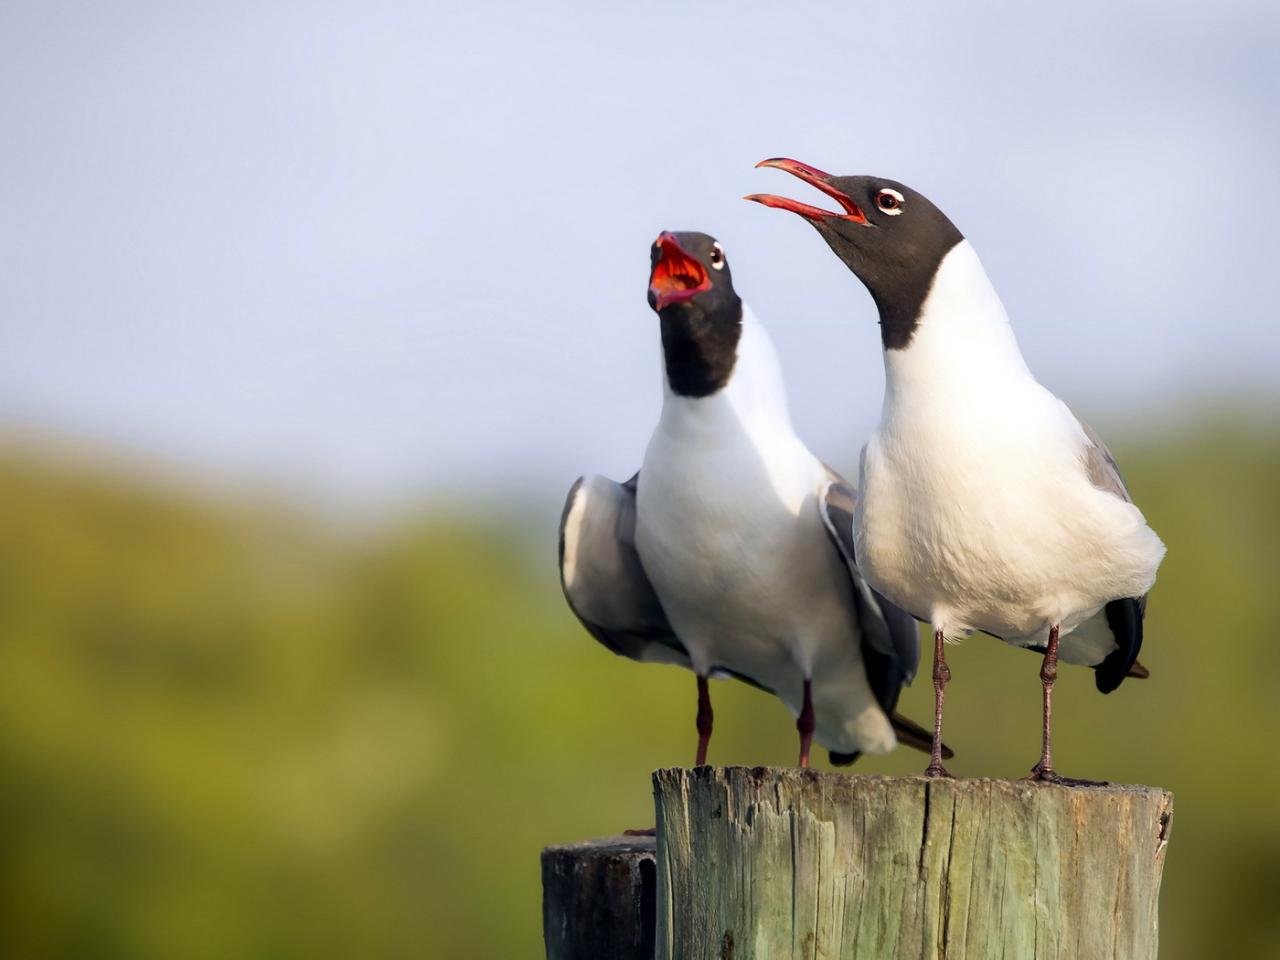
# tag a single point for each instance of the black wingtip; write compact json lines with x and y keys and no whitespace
{"x":1124,"y":617}
{"x":842,"y":759}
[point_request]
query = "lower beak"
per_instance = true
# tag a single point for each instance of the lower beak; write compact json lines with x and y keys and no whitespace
{"x":816,"y":178}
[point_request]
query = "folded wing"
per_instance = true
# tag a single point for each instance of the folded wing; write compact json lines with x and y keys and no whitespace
{"x":1124,"y":615}
{"x":890,"y":642}
{"x":602,"y":577}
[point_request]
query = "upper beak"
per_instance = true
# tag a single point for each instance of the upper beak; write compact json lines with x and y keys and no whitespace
{"x":816,"y":178}
{"x":676,"y":275}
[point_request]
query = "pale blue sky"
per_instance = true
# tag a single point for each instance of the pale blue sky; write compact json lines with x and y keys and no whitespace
{"x":384,"y":249}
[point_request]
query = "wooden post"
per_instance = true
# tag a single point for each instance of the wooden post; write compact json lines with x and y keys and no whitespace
{"x":598,"y":899}
{"x":768,"y":863}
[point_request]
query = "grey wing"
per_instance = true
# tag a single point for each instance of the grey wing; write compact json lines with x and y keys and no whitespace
{"x":1104,"y":472}
{"x":891,"y":643}
{"x":602,"y":577}
{"x":1124,"y":616}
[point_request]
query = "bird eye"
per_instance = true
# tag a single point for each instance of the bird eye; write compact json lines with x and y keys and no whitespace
{"x":890,"y":201}
{"x":716,"y":257}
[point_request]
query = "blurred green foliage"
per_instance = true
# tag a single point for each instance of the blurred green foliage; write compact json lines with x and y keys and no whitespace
{"x":227,"y":732}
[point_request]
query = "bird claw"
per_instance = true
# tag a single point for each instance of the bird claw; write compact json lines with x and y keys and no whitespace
{"x":1042,"y":774}
{"x":938,"y":770}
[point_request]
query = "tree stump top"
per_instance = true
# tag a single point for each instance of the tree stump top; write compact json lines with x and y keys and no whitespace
{"x":619,"y":845}
{"x":794,"y":778}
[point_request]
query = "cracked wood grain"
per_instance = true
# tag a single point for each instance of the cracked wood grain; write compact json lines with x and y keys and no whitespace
{"x":769,"y":863}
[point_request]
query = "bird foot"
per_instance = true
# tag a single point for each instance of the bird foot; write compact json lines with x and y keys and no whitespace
{"x":1042,"y":774}
{"x":937,"y":770}
{"x":641,"y":832}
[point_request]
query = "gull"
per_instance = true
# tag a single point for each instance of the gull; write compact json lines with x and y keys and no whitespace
{"x":730,"y":553}
{"x":986,"y":504}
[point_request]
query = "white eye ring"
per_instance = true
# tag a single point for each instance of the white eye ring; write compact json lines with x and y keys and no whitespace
{"x":894,"y":209}
{"x":717,"y":262}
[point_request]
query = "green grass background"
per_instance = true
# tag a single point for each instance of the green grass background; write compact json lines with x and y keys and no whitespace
{"x":227,"y":731}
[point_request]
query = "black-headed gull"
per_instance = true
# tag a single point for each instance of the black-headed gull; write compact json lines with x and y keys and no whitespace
{"x":986,"y":503}
{"x":731,"y":551}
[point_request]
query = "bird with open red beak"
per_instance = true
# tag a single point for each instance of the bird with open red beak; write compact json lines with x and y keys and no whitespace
{"x":985,"y":503}
{"x":730,"y":552}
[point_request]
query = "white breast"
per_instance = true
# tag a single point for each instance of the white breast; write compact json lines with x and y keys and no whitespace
{"x":726,"y":500}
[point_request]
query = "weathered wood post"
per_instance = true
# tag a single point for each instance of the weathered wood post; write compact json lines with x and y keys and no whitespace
{"x":598,"y":899}
{"x":769,"y":863}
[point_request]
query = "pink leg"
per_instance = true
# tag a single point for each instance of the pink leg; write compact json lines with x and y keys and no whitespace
{"x":1048,"y":674}
{"x":1043,"y":771}
{"x":941,"y":675}
{"x":804,"y":723}
{"x":705,"y":718}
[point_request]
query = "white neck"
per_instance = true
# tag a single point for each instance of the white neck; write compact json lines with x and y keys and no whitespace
{"x":963,"y":331}
{"x":755,"y":393}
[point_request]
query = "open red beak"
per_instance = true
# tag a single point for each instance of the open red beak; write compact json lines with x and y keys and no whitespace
{"x":816,"y":178}
{"x":676,"y":276}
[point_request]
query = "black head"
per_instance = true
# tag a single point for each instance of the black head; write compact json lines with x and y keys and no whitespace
{"x":889,"y":235}
{"x":692,"y":292}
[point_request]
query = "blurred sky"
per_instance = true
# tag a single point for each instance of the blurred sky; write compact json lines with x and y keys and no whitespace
{"x":387,"y":249}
